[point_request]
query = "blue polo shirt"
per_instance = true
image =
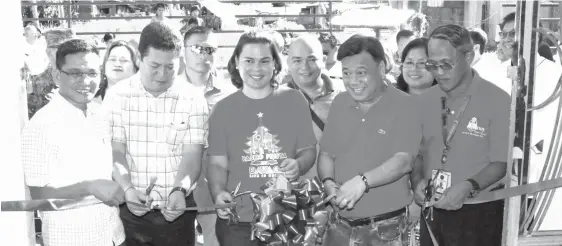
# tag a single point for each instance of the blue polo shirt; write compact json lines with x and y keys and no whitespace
{"x":482,"y":135}
{"x":361,"y":142}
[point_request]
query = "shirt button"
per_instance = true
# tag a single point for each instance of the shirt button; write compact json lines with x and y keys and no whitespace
{"x":362,"y":120}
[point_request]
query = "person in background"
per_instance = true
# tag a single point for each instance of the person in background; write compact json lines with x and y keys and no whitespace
{"x":191,"y":23}
{"x":474,"y":115}
{"x":414,"y":79}
{"x":195,"y":12}
{"x":66,"y":155}
{"x":305,"y":66}
{"x":159,"y":15}
{"x":200,"y":49}
{"x":329,"y":49}
{"x":403,"y":37}
{"x":158,"y":131}
{"x":259,"y":110}
{"x":44,"y":86}
{"x":36,"y":60}
{"x":371,"y":138}
{"x":120,"y":63}
{"x":108,"y":39}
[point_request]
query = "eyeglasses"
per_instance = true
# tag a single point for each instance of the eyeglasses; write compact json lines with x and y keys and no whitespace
{"x":79,"y":75}
{"x":433,"y":66}
{"x":198,"y":49}
{"x":418,"y":65}
{"x":510,"y":34}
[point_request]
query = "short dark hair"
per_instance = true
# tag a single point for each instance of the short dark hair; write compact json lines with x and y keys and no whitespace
{"x":159,"y":5}
{"x":328,"y":38}
{"x":196,"y":30}
{"x":254,"y":37}
{"x":414,"y":44}
{"x":194,"y":8}
{"x":404,"y":34}
{"x":159,"y":36}
{"x":192,"y":20}
{"x":108,"y":36}
{"x":478,"y":36}
{"x":458,"y":36}
{"x":359,"y":43}
{"x":508,"y":18}
{"x":73,"y":46}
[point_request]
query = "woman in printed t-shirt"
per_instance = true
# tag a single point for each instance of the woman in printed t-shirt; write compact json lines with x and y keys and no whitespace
{"x":255,"y":134}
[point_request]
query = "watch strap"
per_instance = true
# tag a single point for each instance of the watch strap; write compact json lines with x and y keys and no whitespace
{"x":183,"y":190}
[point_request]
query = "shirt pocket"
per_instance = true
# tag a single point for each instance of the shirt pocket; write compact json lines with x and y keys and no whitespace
{"x":177,"y":130}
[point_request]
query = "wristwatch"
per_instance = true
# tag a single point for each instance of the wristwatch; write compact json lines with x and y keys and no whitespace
{"x":365,"y":181}
{"x":179,"y":188}
{"x":475,"y":188}
{"x":328,"y":179}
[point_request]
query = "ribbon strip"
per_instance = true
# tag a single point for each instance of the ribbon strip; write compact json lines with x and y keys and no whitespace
{"x":516,"y":191}
{"x":66,"y":204}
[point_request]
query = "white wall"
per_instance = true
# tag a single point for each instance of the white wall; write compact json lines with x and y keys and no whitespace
{"x":16,"y":228}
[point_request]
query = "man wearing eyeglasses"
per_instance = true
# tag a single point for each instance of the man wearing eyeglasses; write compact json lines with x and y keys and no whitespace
{"x":466,"y":134}
{"x":200,"y":74}
{"x":66,"y":154}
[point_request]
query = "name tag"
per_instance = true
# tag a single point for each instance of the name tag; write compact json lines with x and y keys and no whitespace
{"x":441,"y":182}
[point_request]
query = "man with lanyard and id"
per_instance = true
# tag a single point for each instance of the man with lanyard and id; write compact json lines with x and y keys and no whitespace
{"x":465,"y":132}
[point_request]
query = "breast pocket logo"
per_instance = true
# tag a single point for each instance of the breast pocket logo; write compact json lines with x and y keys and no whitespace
{"x":474,"y":129}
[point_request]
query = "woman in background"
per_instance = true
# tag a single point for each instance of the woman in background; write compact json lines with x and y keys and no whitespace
{"x":415,"y":79}
{"x":119,"y":63}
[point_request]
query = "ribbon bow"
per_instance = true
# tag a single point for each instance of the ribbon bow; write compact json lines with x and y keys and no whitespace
{"x":290,"y":212}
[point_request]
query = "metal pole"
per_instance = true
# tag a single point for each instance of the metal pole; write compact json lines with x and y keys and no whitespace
{"x":69,"y":16}
{"x":520,"y":120}
{"x":330,"y":17}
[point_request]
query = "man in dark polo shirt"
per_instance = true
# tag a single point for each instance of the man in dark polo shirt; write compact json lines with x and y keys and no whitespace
{"x":477,"y":151}
{"x":306,"y":75}
{"x":371,"y":137}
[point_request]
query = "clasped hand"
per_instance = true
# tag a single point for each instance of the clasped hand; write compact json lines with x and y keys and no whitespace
{"x":349,"y":193}
{"x":453,"y":198}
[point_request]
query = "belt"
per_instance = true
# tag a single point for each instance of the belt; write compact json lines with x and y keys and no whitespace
{"x":373,"y":219}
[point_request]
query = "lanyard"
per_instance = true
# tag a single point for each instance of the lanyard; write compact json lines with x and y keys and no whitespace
{"x":449,"y":134}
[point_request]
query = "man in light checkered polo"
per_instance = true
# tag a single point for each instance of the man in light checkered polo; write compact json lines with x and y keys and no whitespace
{"x":159,"y":126}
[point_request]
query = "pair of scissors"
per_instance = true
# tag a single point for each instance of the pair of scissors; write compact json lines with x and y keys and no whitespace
{"x":149,"y":189}
{"x":234,"y":217}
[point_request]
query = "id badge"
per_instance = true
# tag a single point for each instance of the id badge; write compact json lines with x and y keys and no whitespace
{"x":441,"y":182}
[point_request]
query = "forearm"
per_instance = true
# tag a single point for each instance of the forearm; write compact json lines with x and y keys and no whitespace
{"x":326,"y":166}
{"x":75,"y":191}
{"x":491,"y":174}
{"x":417,"y":173}
{"x":391,"y":170}
{"x":306,"y":158}
{"x":217,"y":177}
{"x":190,"y":168}
{"x":121,"y":173}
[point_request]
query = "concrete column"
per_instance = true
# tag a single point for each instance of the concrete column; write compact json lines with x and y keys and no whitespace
{"x":16,"y":227}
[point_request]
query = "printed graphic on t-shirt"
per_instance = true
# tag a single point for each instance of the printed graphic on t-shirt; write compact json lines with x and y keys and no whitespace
{"x":474,"y":129}
{"x":263,"y":153}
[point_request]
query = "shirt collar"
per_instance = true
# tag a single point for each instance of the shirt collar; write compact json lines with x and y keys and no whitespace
{"x":327,"y":88}
{"x":211,"y":87}
{"x":68,"y":108}
{"x":353,"y":104}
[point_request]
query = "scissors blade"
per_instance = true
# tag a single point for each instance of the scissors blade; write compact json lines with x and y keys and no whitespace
{"x":151,"y":185}
{"x":237,"y":188}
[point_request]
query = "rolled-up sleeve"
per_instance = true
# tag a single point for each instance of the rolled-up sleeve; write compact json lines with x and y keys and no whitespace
{"x":197,"y":122}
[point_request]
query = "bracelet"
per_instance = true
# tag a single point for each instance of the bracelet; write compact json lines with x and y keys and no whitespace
{"x":179,"y":188}
{"x":366,"y":182}
{"x":328,"y":179}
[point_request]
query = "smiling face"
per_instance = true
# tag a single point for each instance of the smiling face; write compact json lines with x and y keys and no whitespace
{"x":79,"y":78}
{"x":305,"y":62}
{"x":508,"y":39}
{"x":362,"y":75}
{"x":413,"y":69}
{"x":256,"y":65}
{"x":119,"y":64}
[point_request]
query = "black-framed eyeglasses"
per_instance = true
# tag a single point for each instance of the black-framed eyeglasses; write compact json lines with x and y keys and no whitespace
{"x":79,"y":75}
{"x":198,"y":49}
{"x":418,"y":65}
